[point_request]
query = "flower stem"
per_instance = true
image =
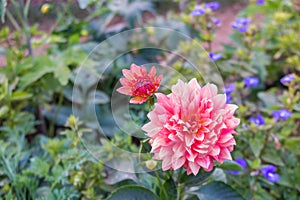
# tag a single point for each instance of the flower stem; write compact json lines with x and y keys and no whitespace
{"x":179,"y":186}
{"x":161,"y":184}
{"x":151,"y":103}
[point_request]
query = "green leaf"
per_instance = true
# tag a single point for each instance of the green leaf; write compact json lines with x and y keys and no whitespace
{"x":42,"y":66}
{"x":217,"y":191}
{"x":230,"y":165}
{"x":293,"y":144}
{"x":62,"y":73}
{"x":39,"y":167}
{"x":3,"y":4}
{"x":170,"y":188}
{"x":3,"y":111}
{"x":268,"y":98}
{"x":20,"y":95}
{"x":256,"y":145}
{"x":191,"y":180}
{"x":259,"y":61}
{"x":83,"y":4}
{"x":131,"y":192}
{"x":272,"y":156}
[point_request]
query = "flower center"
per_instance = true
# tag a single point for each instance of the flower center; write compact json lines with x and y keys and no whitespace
{"x":143,"y":87}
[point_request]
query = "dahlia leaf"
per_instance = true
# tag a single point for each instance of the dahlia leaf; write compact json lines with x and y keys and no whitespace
{"x":132,"y":192}
{"x":191,"y":180}
{"x":171,"y":189}
{"x":217,"y":191}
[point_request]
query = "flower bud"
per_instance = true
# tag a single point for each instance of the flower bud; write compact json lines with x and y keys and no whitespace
{"x":45,"y":8}
{"x":151,"y":164}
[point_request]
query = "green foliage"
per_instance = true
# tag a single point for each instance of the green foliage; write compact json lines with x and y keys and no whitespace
{"x":132,"y":192}
{"x":42,"y":150}
{"x":217,"y":190}
{"x":3,"y":4}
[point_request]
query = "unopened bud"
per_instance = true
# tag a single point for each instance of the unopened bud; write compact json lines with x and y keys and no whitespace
{"x":151,"y":164}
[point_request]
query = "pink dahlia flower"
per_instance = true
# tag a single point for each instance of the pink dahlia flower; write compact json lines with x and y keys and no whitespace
{"x":139,"y":84}
{"x":191,"y":127}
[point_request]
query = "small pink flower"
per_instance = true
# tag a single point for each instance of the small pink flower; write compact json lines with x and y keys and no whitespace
{"x":191,"y":127}
{"x":139,"y":84}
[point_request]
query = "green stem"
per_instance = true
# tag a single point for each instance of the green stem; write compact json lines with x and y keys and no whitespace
{"x":13,"y":21}
{"x":161,"y":184}
{"x":150,"y":103}
{"x":179,"y":186}
{"x":60,"y":100}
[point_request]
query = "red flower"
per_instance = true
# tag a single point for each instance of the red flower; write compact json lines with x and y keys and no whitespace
{"x":139,"y":84}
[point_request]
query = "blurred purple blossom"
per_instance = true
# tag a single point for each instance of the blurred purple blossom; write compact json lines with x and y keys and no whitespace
{"x":212,"y":5}
{"x":242,"y":162}
{"x":269,"y":172}
{"x":216,"y":21}
{"x":215,"y":57}
{"x":287,"y":78}
{"x":260,"y":2}
{"x":258,"y":120}
{"x":229,"y":88}
{"x":242,"y":24}
{"x":198,"y":10}
{"x":251,"y":81}
{"x":282,"y":114}
{"x":228,"y":98}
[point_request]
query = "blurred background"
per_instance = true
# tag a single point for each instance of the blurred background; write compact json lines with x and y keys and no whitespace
{"x":52,"y":66}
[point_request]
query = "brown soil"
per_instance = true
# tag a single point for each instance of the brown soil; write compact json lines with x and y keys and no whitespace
{"x":226,"y":15}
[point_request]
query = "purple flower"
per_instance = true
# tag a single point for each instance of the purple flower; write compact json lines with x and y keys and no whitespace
{"x":215,"y":57}
{"x":251,"y":81}
{"x":258,"y":120}
{"x":212,"y":5}
{"x":198,"y":10}
{"x":269,"y":172}
{"x":287,"y":78}
{"x":216,"y":21}
{"x":228,"y":98}
{"x":242,"y":162}
{"x":260,"y":2}
{"x":282,"y":114}
{"x":229,"y":88}
{"x":242,"y":24}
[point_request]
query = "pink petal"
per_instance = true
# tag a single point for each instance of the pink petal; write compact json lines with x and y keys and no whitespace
{"x":138,"y":100}
{"x":125,"y":90}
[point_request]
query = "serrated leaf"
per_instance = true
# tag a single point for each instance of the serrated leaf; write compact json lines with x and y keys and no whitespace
{"x":132,"y":192}
{"x":217,"y":191}
{"x":42,"y":66}
{"x":39,"y":167}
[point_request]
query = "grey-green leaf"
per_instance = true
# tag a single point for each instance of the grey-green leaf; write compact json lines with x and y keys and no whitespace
{"x":3,"y":4}
{"x":191,"y":180}
{"x":132,"y":192}
{"x":217,"y":191}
